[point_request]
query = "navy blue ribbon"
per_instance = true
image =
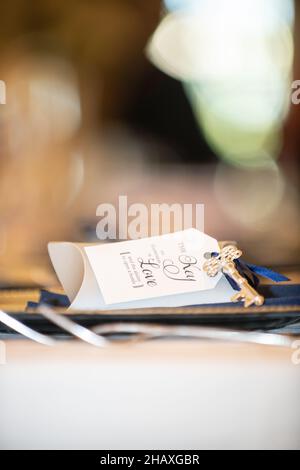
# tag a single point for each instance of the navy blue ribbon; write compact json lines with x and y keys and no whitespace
{"x":251,"y":273}
{"x":267,"y":273}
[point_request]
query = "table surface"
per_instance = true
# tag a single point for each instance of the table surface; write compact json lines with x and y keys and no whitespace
{"x":156,"y":395}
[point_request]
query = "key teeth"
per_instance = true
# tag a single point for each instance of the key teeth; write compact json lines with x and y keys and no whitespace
{"x":248,"y":303}
{"x":258,"y":301}
{"x":236,"y":297}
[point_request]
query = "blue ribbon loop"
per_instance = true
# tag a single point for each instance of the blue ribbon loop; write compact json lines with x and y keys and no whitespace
{"x":251,"y":273}
{"x":267,"y":273}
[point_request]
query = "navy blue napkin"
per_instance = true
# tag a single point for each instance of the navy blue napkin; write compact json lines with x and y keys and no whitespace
{"x":276,"y":295}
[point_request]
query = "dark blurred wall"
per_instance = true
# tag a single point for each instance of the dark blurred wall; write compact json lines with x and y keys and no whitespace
{"x":105,"y":41}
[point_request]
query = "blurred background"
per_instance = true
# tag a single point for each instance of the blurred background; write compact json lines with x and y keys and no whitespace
{"x":185,"y":101}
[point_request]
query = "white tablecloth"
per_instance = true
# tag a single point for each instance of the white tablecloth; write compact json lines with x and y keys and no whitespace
{"x":158,"y":395}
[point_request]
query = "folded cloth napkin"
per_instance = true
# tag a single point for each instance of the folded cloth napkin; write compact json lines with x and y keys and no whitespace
{"x":275,"y":295}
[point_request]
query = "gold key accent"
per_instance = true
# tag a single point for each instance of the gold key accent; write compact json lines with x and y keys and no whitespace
{"x":224,"y":262}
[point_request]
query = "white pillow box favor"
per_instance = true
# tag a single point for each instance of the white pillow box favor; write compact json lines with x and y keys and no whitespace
{"x":161,"y":271}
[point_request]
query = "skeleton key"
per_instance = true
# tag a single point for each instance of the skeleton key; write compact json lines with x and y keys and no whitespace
{"x":225,"y":262}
